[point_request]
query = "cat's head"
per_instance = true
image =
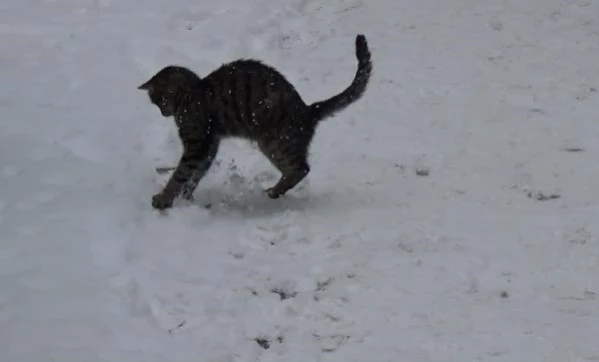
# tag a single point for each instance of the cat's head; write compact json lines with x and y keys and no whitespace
{"x":166,"y":87}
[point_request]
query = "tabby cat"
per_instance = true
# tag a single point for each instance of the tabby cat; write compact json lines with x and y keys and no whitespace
{"x":247,"y":99}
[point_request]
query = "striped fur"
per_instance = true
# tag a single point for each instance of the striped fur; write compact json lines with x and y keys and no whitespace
{"x":246,"y":99}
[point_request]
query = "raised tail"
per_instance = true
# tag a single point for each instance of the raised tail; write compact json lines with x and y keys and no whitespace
{"x":323,"y":109}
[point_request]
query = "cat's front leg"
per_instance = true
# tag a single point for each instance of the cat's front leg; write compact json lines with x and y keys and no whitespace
{"x":188,"y":164}
{"x":190,"y":186}
{"x":192,"y":166}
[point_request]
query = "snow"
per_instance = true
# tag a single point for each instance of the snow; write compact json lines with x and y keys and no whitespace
{"x":365,"y":260}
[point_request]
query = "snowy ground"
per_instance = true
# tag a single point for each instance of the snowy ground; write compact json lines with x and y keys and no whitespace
{"x":366,"y":261}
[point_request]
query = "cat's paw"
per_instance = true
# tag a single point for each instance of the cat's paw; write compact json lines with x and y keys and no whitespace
{"x":272,"y":193}
{"x":161,"y":201}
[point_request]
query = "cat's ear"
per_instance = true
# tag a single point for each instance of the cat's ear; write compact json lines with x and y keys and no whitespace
{"x":146,"y":86}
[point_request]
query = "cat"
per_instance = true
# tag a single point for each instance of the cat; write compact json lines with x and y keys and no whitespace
{"x":247,"y":99}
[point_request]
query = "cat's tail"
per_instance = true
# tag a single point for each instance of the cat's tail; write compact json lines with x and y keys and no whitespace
{"x":323,"y":109}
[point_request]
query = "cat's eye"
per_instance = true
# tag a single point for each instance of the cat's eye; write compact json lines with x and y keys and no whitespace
{"x":154,"y":96}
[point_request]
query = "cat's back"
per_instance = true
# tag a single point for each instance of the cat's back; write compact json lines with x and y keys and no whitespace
{"x":249,"y":98}
{"x":246,"y":67}
{"x":254,"y":77}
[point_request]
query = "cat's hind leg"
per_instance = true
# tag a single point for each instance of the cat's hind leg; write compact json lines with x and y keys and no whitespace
{"x":290,"y":157}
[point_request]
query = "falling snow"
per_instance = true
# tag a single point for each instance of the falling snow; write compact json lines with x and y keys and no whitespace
{"x":450,"y":215}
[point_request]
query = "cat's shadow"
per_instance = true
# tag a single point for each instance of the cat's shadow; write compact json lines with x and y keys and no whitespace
{"x":254,"y":203}
{"x":232,"y":194}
